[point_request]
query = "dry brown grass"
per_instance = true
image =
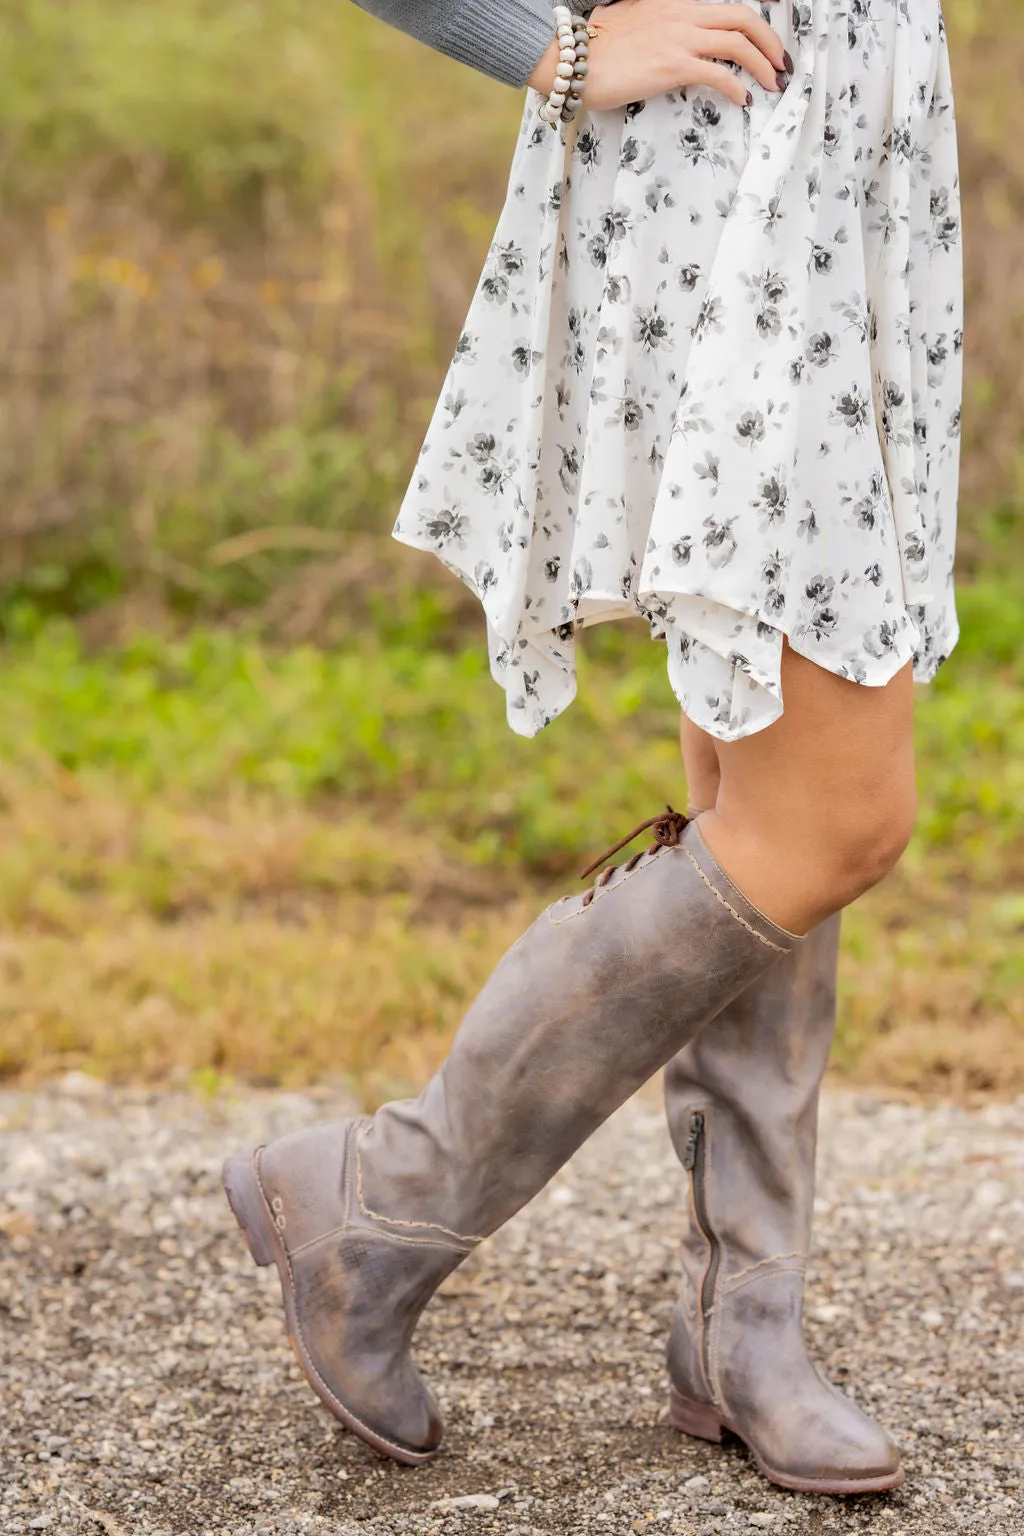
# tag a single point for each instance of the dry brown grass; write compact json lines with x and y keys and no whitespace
{"x":257,"y":941}
{"x":932,"y":999}
{"x":988,"y":65}
{"x":277,"y":945}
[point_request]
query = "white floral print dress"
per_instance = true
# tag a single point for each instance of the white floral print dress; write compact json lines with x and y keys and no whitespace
{"x":711,"y":376}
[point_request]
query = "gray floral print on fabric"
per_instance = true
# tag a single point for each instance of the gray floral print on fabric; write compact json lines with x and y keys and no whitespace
{"x":711,"y":376}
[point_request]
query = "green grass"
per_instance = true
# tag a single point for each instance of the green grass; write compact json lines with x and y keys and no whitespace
{"x":221,"y":857}
{"x":403,"y":726}
{"x":396,"y":720}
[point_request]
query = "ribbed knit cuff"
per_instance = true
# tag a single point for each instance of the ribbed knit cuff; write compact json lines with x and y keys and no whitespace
{"x":503,"y":38}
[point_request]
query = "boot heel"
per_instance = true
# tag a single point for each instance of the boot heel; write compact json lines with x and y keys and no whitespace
{"x":692,"y":1418}
{"x":249,"y":1208}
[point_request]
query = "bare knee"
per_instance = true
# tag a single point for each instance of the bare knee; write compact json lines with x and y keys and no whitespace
{"x":818,"y":807}
{"x":860,"y":842}
{"x":811,"y":857}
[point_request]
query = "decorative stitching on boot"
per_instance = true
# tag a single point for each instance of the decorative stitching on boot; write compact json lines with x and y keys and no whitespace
{"x":394,"y":1444}
{"x":714,"y":1349}
{"x":346,"y":1186}
{"x":713,"y":1353}
{"x":379,"y":1236}
{"x":761,"y":1264}
{"x":725,"y":1294}
{"x":394,"y":1221}
{"x":784,"y":1269}
{"x":779,"y":949}
{"x":412,"y":1242}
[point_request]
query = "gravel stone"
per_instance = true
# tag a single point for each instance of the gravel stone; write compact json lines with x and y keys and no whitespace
{"x":147,"y":1389}
{"x":468,"y":1501}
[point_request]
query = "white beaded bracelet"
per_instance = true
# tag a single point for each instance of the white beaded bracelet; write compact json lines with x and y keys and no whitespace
{"x":578,"y":83}
{"x":572,"y":33}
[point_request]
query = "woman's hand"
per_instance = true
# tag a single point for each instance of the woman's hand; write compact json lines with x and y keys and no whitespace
{"x":647,"y":47}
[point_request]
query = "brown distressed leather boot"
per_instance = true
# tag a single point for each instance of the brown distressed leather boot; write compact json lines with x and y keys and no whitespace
{"x":365,"y":1218}
{"x":742,"y":1102}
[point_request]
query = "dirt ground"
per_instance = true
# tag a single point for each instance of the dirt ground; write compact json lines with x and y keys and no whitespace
{"x":146,"y":1385}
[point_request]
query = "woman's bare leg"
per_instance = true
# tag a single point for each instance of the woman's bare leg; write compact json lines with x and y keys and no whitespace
{"x":700,"y":760}
{"x":815,"y":809}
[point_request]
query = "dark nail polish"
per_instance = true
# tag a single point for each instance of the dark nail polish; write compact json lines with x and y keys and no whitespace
{"x":781,"y":80}
{"x":750,"y":99}
{"x":788,"y":61}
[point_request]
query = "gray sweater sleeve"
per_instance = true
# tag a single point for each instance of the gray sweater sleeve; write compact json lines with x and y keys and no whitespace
{"x":503,"y":38}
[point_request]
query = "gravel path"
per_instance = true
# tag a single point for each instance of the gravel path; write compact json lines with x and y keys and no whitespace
{"x":146,"y":1385}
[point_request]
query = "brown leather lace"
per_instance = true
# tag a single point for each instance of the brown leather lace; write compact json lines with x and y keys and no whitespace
{"x":667,"y":829}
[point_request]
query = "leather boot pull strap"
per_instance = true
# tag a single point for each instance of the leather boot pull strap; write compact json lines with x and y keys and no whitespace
{"x":666,"y":827}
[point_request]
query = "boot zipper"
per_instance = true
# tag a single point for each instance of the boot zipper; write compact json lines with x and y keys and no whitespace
{"x":696,"y":1130}
{"x":694,"y":1160}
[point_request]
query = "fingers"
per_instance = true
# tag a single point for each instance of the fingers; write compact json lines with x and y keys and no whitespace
{"x":738,"y":47}
{"x":741,"y":19}
{"x":718,"y":78}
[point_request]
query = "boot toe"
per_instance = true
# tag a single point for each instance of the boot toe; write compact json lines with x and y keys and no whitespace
{"x":395,"y":1413}
{"x":416,"y":1424}
{"x":352,"y":1293}
{"x":867,"y":1450}
{"x":356,"y":1355}
{"x":843,"y":1452}
{"x":873,"y":1458}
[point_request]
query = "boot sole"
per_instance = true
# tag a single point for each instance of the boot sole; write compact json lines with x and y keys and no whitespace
{"x":252,"y":1212}
{"x":706,"y":1423}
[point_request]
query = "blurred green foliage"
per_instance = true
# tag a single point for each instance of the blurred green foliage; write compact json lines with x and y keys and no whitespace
{"x":397,"y":721}
{"x":240,"y":238}
{"x":226,"y":227}
{"x":228,"y":97}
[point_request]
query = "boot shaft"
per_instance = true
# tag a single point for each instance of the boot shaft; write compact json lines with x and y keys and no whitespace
{"x":364,"y":1219}
{"x":742,"y":1105}
{"x":742,"y":1102}
{"x":594,"y":998}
